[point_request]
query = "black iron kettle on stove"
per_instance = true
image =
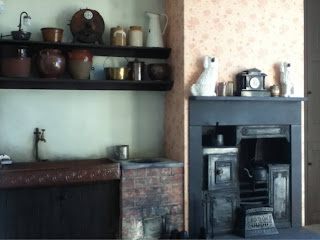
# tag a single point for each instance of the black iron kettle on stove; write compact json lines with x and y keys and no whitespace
{"x":257,"y":174}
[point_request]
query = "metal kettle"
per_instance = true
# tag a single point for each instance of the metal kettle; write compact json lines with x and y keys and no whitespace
{"x":258,"y":174}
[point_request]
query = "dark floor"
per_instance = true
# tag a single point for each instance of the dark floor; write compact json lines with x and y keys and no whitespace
{"x":291,"y":233}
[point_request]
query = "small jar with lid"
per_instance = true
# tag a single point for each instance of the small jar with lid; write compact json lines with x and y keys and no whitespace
{"x":118,"y":36}
{"x":135,"y":36}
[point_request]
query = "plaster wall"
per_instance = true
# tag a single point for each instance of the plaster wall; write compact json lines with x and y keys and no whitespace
{"x":80,"y":124}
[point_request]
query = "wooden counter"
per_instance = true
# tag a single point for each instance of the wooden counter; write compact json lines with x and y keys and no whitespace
{"x":40,"y":174}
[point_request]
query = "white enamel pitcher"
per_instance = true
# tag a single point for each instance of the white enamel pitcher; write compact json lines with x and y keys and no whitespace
{"x":154,"y":38}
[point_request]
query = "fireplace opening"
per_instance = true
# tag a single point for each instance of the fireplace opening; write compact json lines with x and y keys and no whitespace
{"x":246,"y":169}
{"x":224,"y":134}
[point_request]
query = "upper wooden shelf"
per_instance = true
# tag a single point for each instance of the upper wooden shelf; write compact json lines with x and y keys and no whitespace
{"x":95,"y":49}
{"x":74,"y":84}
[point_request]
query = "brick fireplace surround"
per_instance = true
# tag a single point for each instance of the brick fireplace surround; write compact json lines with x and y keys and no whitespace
{"x":150,"y":193}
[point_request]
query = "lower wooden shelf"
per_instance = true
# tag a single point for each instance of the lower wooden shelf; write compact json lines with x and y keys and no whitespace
{"x":73,"y":84}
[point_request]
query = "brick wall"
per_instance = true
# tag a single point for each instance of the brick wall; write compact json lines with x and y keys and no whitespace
{"x":150,"y":192}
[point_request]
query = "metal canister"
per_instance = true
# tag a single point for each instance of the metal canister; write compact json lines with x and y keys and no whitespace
{"x":118,"y":36}
{"x":136,"y":70}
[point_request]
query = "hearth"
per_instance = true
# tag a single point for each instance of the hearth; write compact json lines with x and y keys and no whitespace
{"x":248,"y":179}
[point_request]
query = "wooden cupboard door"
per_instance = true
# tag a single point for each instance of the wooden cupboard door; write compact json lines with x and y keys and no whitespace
{"x":312,"y":29}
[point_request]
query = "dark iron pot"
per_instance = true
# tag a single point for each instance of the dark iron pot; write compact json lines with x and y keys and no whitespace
{"x":258,"y":174}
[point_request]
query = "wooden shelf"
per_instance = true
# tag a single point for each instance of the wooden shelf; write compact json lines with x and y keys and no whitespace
{"x":95,"y":49}
{"x":73,"y":84}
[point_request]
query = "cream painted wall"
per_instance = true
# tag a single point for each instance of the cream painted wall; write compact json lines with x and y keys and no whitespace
{"x":80,"y":124}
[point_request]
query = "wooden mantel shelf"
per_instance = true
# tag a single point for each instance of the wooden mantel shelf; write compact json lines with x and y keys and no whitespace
{"x":44,"y":174}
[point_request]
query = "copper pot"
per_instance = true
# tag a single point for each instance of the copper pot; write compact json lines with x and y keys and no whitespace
{"x":51,"y":63}
{"x":52,"y":34}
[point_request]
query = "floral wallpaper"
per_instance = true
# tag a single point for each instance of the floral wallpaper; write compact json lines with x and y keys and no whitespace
{"x":242,"y":34}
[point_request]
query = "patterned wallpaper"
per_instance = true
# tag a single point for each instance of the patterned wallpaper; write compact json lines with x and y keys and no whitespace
{"x":244,"y":34}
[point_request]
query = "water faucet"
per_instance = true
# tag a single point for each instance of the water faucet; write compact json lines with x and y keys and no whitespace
{"x":39,"y":137}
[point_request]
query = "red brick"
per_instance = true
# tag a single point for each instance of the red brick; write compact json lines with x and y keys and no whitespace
{"x":134,"y":192}
{"x":132,"y":173}
{"x":176,"y":209}
{"x":176,"y":221}
{"x":152,"y":181}
{"x":158,"y":190}
{"x":132,"y":213}
{"x":177,"y":171}
{"x":153,"y":172}
{"x":177,"y":189}
{"x":142,"y":202}
{"x":172,"y":199}
{"x":166,"y":171}
{"x":127,"y":203}
{"x":127,"y":183}
{"x":128,"y":223}
{"x":139,"y":182}
{"x":171,"y":179}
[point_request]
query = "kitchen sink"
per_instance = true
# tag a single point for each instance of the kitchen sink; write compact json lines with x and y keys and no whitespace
{"x":136,"y":163}
{"x":147,"y":160}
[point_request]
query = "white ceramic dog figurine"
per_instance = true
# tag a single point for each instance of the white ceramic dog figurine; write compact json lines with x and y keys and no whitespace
{"x":206,"y":83}
{"x":287,"y":86}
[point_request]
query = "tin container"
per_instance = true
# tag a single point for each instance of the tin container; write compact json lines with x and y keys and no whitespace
{"x":136,"y":70}
{"x":121,"y":152}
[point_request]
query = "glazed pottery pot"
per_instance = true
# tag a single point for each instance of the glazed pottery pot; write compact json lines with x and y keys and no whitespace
{"x":159,"y":71}
{"x":15,"y":61}
{"x":51,"y":63}
{"x":80,"y":64}
{"x":52,"y":34}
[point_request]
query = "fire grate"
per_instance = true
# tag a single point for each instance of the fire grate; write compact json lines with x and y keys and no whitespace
{"x":256,"y":222}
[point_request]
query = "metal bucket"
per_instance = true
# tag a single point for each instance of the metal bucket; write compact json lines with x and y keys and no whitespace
{"x":116,"y":73}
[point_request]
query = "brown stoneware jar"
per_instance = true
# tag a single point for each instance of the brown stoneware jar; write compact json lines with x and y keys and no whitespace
{"x":80,"y":64}
{"x":15,"y":61}
{"x":51,"y":63}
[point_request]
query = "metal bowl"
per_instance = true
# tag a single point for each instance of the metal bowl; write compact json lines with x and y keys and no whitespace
{"x":159,"y":71}
{"x":20,"y":35}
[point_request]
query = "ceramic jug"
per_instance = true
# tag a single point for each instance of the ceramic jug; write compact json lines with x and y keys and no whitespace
{"x":154,"y":38}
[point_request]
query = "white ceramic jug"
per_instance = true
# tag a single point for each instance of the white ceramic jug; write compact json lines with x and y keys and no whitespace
{"x":154,"y":38}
